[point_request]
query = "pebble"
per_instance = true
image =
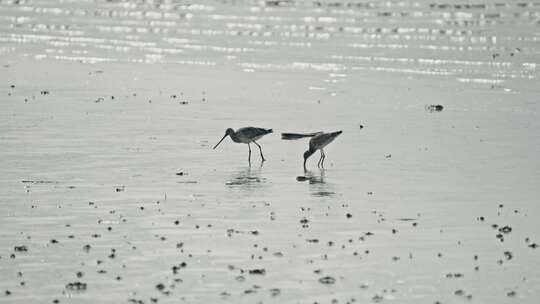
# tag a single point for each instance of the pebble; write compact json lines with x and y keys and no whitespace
{"x":459,"y":292}
{"x":76,"y":286}
{"x":21,"y":248}
{"x":260,"y":271}
{"x":434,"y":108}
{"x":327,"y":280}
{"x":505,"y":229}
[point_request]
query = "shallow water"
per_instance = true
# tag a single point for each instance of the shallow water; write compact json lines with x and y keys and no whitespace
{"x":485,"y":42}
{"x":106,"y":140}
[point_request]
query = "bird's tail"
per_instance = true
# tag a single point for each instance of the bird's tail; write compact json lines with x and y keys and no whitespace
{"x":294,"y":136}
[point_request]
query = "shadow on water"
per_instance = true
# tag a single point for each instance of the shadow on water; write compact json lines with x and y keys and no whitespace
{"x":317,"y":184}
{"x":247,"y":178}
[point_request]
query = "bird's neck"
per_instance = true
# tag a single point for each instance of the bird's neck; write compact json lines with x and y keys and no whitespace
{"x":310,"y":151}
{"x":234,"y":137}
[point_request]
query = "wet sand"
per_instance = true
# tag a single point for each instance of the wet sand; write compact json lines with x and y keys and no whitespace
{"x":111,"y":192}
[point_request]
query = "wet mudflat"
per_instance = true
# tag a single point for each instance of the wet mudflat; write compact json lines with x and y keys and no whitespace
{"x":111,"y":192}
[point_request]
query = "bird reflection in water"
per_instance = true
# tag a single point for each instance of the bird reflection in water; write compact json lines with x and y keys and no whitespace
{"x":318,"y":186}
{"x":247,"y":178}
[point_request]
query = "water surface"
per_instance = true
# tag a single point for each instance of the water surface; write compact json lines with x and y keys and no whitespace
{"x":110,"y":110}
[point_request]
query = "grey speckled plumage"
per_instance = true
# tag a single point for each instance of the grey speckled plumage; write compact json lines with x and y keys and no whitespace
{"x":246,"y":135}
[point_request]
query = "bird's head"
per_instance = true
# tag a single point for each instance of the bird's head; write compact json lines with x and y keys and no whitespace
{"x":228,"y":132}
{"x":307,"y":154}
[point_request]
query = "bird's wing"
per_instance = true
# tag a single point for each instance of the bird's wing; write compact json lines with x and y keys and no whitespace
{"x":321,"y":140}
{"x":253,"y":132}
{"x":292,"y":136}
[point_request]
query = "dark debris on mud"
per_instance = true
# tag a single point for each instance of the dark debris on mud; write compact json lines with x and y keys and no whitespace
{"x":76,"y":286}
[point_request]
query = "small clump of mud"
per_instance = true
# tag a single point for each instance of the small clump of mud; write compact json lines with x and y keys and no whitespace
{"x":76,"y":286}
{"x":434,"y":108}
{"x":327,"y":280}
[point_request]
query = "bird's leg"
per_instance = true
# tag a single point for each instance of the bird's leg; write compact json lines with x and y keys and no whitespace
{"x":320,"y":160}
{"x":323,"y":157}
{"x":262,"y":156}
{"x":249,"y":155}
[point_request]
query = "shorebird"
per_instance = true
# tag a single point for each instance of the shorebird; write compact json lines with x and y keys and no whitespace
{"x":318,"y":141}
{"x":246,"y":135}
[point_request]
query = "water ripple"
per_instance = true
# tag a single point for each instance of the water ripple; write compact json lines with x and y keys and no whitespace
{"x":418,"y":38}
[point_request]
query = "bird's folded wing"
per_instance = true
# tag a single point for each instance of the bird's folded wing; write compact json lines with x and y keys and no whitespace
{"x":293,"y":136}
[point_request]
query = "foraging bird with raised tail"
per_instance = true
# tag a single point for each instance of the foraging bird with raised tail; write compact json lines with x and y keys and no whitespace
{"x":246,"y":135}
{"x":318,"y":141}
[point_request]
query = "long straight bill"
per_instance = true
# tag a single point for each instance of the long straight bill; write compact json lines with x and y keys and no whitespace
{"x":220,"y":141}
